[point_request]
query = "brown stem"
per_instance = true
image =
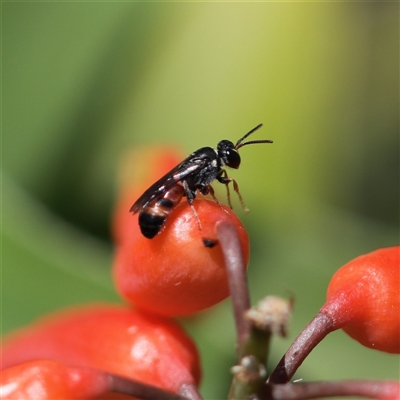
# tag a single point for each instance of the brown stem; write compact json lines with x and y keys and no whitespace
{"x":313,"y":390}
{"x":236,"y":272}
{"x":311,"y":335}
{"x":249,"y":374}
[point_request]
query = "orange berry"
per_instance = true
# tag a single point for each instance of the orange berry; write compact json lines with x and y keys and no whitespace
{"x":49,"y":380}
{"x":175,"y":273}
{"x":181,"y":270}
{"x":114,"y":339}
{"x":363,"y":298}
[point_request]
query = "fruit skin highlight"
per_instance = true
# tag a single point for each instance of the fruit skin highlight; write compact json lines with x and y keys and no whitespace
{"x":363,"y":298}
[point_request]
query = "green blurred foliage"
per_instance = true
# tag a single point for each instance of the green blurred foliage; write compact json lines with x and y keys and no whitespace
{"x":85,"y":82}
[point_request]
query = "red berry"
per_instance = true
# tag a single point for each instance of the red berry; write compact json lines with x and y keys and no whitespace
{"x":49,"y":380}
{"x":181,"y":270}
{"x":175,"y":273}
{"x":363,"y":298}
{"x":114,"y":339}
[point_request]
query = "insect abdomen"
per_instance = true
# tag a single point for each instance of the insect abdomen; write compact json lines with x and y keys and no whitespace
{"x":152,"y":218}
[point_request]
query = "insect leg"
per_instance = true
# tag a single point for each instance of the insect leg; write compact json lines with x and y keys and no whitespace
{"x":191,"y":195}
{"x":210,"y":190}
{"x":225,"y":179}
{"x":236,"y":188}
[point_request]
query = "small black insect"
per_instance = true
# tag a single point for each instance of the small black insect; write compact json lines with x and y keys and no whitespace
{"x":195,"y":173}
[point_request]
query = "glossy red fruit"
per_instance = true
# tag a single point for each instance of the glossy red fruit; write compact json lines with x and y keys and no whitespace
{"x":181,"y":270}
{"x":49,"y":380}
{"x":363,"y":299}
{"x":175,"y":273}
{"x":111,"y":338}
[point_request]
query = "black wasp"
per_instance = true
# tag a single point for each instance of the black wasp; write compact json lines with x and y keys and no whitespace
{"x":195,"y":173}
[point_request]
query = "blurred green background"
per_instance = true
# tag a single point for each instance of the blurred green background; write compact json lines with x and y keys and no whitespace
{"x":84,"y":82}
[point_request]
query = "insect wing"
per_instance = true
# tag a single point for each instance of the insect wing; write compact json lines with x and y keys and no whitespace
{"x":177,"y":174}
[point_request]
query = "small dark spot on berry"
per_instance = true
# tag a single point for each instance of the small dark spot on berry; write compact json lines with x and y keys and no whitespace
{"x":210,"y":243}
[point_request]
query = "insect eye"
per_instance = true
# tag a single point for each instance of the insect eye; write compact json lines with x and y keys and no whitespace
{"x":232,"y":159}
{"x":228,"y":154}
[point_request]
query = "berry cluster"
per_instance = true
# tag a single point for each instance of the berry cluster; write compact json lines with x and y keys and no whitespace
{"x":105,"y":351}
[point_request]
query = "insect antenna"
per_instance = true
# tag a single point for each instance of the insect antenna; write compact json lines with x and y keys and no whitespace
{"x":239,"y":143}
